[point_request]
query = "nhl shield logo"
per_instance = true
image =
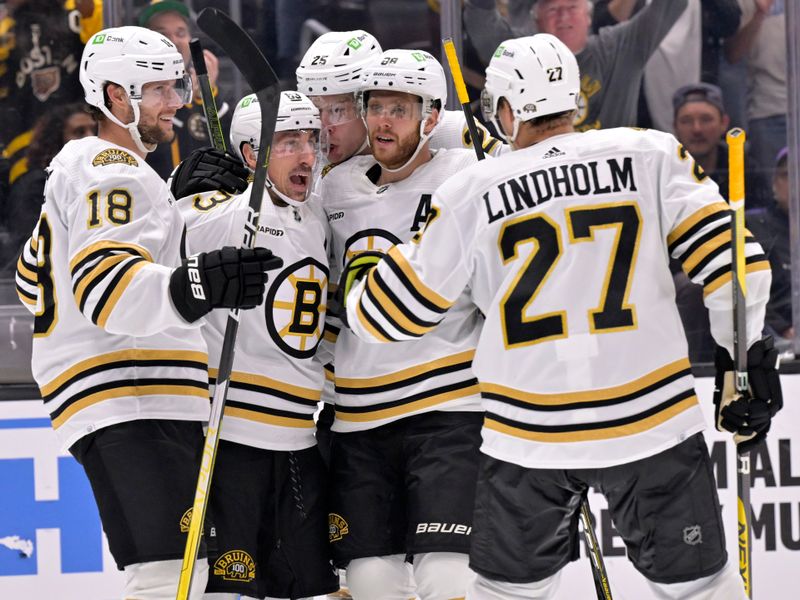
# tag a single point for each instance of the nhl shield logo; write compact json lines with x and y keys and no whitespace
{"x":337,"y":527}
{"x":235,"y":565}
{"x":692,"y":535}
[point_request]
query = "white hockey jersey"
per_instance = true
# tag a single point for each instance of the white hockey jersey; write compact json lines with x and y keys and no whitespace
{"x":108,"y":345}
{"x":452,"y":132}
{"x":376,"y":385}
{"x":564,"y":246}
{"x":276,"y":382}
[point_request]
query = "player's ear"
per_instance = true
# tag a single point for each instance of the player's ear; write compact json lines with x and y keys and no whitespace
{"x":117,"y":95}
{"x":431,"y":121}
{"x":249,"y":155}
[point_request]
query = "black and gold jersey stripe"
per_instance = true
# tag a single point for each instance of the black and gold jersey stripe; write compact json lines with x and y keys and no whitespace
{"x":129,"y":387}
{"x":723,"y":275}
{"x":421,"y":401}
{"x":123,"y":359}
{"x":409,"y":376}
{"x":686,"y":229}
{"x":598,"y":430}
{"x":413,"y":284}
{"x":259,"y":384}
{"x":393,"y":310}
{"x":268,"y":415}
{"x":592,"y":399}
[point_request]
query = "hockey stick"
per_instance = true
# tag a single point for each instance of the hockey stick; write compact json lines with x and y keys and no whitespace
{"x":264,"y":83}
{"x":463,"y":97}
{"x":735,"y":139}
{"x":209,"y":104}
{"x":599,"y":573}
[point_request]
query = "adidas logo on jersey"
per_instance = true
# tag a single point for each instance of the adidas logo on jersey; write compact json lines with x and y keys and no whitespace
{"x":553,"y":152}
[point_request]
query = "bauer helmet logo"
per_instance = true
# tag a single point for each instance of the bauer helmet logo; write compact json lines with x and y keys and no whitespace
{"x":354,"y":43}
{"x":235,"y":565}
{"x":99,"y":38}
{"x":337,"y":527}
{"x":693,"y":535}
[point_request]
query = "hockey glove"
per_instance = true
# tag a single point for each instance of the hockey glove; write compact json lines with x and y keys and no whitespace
{"x":225,"y":278}
{"x":209,"y":170}
{"x":354,"y":271}
{"x":748,"y":416}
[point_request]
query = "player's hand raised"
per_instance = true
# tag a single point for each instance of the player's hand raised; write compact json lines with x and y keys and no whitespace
{"x":225,"y":278}
{"x":748,"y":416}
{"x":208,"y":170}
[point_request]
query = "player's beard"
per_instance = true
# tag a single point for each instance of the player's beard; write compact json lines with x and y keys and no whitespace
{"x":405,"y":150}
{"x":153,"y":134}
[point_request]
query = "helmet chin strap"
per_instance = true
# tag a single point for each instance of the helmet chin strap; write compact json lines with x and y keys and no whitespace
{"x":510,"y":139}
{"x":132,"y":127}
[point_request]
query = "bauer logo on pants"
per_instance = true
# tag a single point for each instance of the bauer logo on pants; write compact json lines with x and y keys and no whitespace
{"x":235,"y":565}
{"x":337,"y":527}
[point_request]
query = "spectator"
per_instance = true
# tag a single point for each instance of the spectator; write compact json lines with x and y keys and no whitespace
{"x":762,"y":41}
{"x":611,"y":62}
{"x":700,"y":122}
{"x":40,"y":46}
{"x":171,"y":19}
{"x":770,"y":226}
{"x":53,"y":129}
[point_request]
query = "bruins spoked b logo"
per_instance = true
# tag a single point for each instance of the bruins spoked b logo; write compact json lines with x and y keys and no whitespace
{"x":295,"y":307}
{"x":235,"y":565}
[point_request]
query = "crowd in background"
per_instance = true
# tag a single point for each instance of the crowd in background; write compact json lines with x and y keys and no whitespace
{"x":691,"y":67}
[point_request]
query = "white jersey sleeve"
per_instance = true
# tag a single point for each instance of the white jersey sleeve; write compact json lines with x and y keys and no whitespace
{"x":698,"y":228}
{"x":26,"y":278}
{"x":114,"y":216}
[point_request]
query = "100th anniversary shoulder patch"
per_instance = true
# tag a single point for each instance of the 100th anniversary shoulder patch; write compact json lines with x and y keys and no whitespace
{"x":235,"y":565}
{"x":114,"y":156}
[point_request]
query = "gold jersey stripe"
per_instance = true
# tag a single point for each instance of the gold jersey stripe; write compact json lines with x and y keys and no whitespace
{"x":591,"y":395}
{"x":23,"y":268}
{"x":251,"y":415}
{"x":761,"y":265}
{"x":130,"y":390}
{"x":690,"y":262}
{"x":368,"y":326}
{"x":403,"y":409}
{"x":111,"y":245}
{"x":433,"y":297}
{"x":366,"y":382}
{"x":694,"y":218}
{"x":595,"y":434}
{"x":96,"y":270}
{"x":267,"y":382}
{"x":121,"y":356}
{"x":401,"y":321}
{"x":119,"y":289}
{"x":18,"y":143}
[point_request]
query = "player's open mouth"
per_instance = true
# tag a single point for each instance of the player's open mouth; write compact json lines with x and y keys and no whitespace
{"x":383,"y":140}
{"x":300,"y":180}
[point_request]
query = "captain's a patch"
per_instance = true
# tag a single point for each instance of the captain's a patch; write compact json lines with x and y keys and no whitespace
{"x":114,"y":156}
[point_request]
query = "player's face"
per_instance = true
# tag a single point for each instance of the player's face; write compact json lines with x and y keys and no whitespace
{"x":291,"y":161}
{"x":175,"y":28}
{"x":79,"y":125}
{"x":344,"y":129}
{"x":393,"y":120}
{"x":568,"y":20}
{"x":160,"y":101}
{"x":699,"y":126}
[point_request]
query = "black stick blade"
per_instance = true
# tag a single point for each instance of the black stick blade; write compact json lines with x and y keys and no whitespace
{"x":240,"y":47}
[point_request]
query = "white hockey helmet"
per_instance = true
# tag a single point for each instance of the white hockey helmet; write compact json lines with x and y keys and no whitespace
{"x":334,"y":62}
{"x":414,"y":72}
{"x":130,"y":57}
{"x":538,"y":76}
{"x":295,"y":112}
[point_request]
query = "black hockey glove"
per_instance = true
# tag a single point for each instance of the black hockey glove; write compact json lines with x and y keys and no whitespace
{"x":209,"y":170}
{"x":748,"y":416}
{"x":225,"y":278}
{"x":354,"y":271}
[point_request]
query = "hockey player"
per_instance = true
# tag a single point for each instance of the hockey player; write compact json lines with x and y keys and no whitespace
{"x":563,"y":245}
{"x":267,"y":499}
{"x":404,"y":457}
{"x":330,"y":74}
{"x":117,"y":351}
